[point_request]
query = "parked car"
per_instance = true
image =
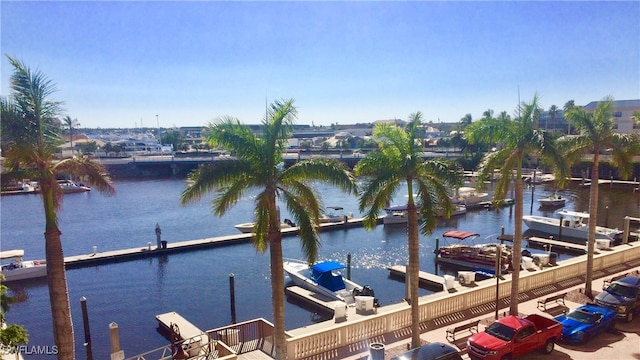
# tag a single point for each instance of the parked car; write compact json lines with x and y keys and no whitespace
{"x":513,"y":336}
{"x":622,"y":296}
{"x":586,"y":322}
{"x":433,"y":351}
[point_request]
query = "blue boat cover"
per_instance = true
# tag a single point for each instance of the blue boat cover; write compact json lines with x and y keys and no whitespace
{"x":324,"y":276}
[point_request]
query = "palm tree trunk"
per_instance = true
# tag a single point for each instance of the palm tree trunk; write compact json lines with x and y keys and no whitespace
{"x":414,"y":272}
{"x":593,"y":218}
{"x":57,"y":282}
{"x":517,"y":244}
{"x":277,"y":295}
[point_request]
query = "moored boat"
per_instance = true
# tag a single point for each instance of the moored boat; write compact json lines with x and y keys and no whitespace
{"x":17,"y":269}
{"x":553,"y":201}
{"x":395,"y":215}
{"x":335,"y":214}
{"x":575,"y":224}
{"x":324,"y":278}
{"x":246,"y":228}
{"x":472,"y":256}
{"x":70,"y":187}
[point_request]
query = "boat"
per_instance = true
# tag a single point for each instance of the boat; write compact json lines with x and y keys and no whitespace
{"x":325,"y":278}
{"x":481,"y":257}
{"x":395,"y":215}
{"x":553,"y":201}
{"x":246,"y":228}
{"x":335,"y":214}
{"x":469,"y":196}
{"x":575,"y":224}
{"x":16,"y":269}
{"x":70,"y":187}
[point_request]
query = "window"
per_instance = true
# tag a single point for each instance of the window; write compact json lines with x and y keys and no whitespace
{"x":617,"y":114}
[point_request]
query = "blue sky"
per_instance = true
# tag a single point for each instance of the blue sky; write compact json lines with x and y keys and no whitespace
{"x":121,"y":63}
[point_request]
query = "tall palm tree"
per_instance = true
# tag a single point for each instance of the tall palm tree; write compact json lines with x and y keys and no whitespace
{"x":396,"y":161}
{"x":568,"y":106}
{"x":30,"y":135}
{"x":596,"y":135}
{"x":553,"y":113}
{"x":518,"y":138}
{"x":258,"y":165}
{"x":70,"y":124}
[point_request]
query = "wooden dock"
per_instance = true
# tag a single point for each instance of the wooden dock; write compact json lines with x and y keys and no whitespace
{"x":581,"y":248}
{"x":318,"y":301}
{"x":141,"y":252}
{"x":431,"y":281}
{"x":187,"y":329}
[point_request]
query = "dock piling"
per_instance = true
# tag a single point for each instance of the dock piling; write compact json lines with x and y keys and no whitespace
{"x":116,"y":352}
{"x":87,"y":331}
{"x":158,"y":236}
{"x":349,"y":266}
{"x":232,"y":292}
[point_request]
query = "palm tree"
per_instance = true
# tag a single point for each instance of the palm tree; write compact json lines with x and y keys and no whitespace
{"x":596,"y":135}
{"x":258,"y":164}
{"x":568,"y":106}
{"x":70,"y":124}
{"x":396,"y":161}
{"x":635,"y":117}
{"x":466,"y":121}
{"x":518,"y":138}
{"x":30,"y":135}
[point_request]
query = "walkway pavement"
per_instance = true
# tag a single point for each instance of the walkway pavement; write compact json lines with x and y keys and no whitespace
{"x":623,"y":343}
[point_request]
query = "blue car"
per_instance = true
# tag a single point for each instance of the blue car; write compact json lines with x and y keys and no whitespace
{"x":586,"y":322}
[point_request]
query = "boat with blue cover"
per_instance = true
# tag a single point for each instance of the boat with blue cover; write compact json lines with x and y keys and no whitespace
{"x":323,"y":278}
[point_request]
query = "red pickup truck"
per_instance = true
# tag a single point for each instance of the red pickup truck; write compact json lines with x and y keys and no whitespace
{"x":513,"y":336}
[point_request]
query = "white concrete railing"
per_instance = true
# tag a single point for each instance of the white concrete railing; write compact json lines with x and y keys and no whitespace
{"x":321,"y":339}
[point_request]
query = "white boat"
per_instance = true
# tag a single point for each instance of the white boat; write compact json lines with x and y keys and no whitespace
{"x":16,"y":268}
{"x":395,"y":215}
{"x":246,"y":228}
{"x":575,"y":224}
{"x":553,"y":201}
{"x":69,"y":187}
{"x":469,"y":196}
{"x":335,"y":214}
{"x":325,"y":278}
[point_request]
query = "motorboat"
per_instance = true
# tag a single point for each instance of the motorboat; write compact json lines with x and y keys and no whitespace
{"x":69,"y":187}
{"x":23,"y":187}
{"x":396,"y":215}
{"x":469,"y":196}
{"x":553,"y":201}
{"x":325,"y":278}
{"x":246,"y":228}
{"x":16,"y":268}
{"x":334,"y":214}
{"x":469,"y":255}
{"x":575,"y":224}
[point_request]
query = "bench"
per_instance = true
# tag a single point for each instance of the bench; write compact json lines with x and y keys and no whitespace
{"x":608,"y":282}
{"x":472,"y":327}
{"x":559,"y":298}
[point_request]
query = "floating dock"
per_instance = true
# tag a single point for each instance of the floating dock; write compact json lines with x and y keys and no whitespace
{"x":575,"y":247}
{"x":187,"y":329}
{"x":151,"y":250}
{"x":318,"y":301}
{"x":428,"y":280}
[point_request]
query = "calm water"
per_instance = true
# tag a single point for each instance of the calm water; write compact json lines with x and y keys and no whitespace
{"x":196,"y":284}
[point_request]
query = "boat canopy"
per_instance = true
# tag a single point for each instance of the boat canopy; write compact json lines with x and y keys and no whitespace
{"x":460,"y":235}
{"x":324,"y":276}
{"x":578,"y":214}
{"x":9,"y":254}
{"x":335,"y":208}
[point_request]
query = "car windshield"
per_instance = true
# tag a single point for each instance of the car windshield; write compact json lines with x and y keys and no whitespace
{"x":626,"y":291}
{"x":500,"y":331}
{"x":583,"y":316}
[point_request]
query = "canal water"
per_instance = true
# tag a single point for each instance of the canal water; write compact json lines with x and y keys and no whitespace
{"x":196,"y":284}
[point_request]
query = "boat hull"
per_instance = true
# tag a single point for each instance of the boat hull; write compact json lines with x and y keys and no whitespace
{"x":298,"y":273}
{"x":30,"y":270}
{"x":552,"y":226}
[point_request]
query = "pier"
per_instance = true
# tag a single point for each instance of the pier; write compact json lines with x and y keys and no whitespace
{"x":113,"y":256}
{"x":430,"y":281}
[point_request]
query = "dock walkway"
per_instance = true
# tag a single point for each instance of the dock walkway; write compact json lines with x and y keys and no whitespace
{"x":428,"y":280}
